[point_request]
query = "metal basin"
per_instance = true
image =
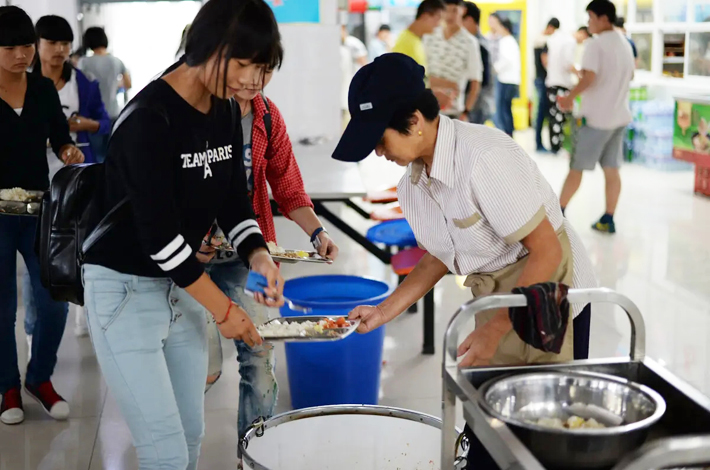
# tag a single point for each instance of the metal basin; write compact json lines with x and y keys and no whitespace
{"x":626,"y":408}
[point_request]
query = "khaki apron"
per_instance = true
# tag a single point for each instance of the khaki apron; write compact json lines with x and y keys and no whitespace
{"x":511,"y":349}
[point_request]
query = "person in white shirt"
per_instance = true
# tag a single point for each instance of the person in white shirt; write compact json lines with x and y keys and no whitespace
{"x":358,"y":51}
{"x":607,"y":70}
{"x":479,"y":206}
{"x":454,"y":58}
{"x":561,"y":47}
{"x":381,"y":44}
{"x":508,"y":69}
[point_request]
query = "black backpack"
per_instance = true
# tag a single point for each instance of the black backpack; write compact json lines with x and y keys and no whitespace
{"x":65,"y":232}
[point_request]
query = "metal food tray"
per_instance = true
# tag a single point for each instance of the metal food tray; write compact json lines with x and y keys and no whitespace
{"x":313,"y":257}
{"x":332,"y":334}
{"x":680,"y":439}
{"x":27,"y":209}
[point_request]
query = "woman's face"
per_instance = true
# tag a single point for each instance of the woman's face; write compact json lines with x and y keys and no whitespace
{"x":494,"y":24}
{"x":402,"y":149}
{"x":54,"y":53}
{"x":16,"y":59}
{"x":244,"y":79}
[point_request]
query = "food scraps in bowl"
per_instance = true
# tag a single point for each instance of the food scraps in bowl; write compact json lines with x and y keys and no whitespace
{"x":285,"y":328}
{"x":572,"y":423}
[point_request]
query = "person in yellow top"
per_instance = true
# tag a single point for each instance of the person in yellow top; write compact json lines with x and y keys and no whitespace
{"x":409,"y":41}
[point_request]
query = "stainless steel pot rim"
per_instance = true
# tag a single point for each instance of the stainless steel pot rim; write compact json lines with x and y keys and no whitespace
{"x":610,"y":431}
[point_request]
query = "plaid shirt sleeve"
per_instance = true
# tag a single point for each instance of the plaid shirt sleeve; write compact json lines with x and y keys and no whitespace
{"x":282,"y":171}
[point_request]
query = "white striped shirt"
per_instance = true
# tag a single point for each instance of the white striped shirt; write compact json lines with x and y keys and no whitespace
{"x":484,"y":195}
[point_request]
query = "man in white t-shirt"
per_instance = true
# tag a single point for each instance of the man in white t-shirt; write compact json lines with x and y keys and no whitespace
{"x":454,"y":61}
{"x":561,"y":48}
{"x":607,"y":70}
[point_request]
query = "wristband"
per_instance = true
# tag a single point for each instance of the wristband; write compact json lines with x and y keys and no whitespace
{"x":226,"y":316}
{"x":317,"y":232}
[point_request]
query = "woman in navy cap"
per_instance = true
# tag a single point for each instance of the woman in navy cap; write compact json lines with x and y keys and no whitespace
{"x":476,"y":202}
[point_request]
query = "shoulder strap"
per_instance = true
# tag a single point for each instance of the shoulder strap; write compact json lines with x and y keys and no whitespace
{"x":118,"y":211}
{"x":267,"y":123}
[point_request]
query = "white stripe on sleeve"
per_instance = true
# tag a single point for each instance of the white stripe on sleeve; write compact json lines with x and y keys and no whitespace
{"x":245,"y":234}
{"x":169,"y":250}
{"x":177,"y":260}
{"x":239,"y":228}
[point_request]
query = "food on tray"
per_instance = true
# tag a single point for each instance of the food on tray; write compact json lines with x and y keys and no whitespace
{"x":573,"y":422}
{"x":33,"y":208}
{"x":15,"y":194}
{"x":13,"y":207}
{"x":285,"y":328}
{"x":274,"y":249}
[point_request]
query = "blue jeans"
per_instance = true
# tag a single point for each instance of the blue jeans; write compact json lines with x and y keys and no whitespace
{"x":505,"y":92}
{"x":17,"y":234}
{"x":543,"y":109}
{"x":150,"y":340}
{"x":258,"y":390}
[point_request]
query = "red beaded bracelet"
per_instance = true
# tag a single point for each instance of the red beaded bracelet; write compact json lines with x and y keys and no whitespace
{"x":226,"y":316}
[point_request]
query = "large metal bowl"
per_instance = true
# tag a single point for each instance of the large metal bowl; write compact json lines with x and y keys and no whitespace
{"x":626,"y":408}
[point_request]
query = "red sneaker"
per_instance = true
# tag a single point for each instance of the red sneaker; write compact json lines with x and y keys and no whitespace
{"x":52,"y":403}
{"x":11,"y":411}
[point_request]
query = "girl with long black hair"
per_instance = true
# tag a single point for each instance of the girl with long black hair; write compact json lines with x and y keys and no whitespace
{"x":175,"y":154}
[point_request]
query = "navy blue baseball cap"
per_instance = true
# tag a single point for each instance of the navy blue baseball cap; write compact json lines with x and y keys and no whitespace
{"x":377,"y":91}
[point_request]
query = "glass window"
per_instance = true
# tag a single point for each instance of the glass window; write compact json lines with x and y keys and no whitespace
{"x":701,"y":12}
{"x":699,"y":54}
{"x":644,"y":11}
{"x":673,"y":54}
{"x":675,"y":11}
{"x":644,"y":46}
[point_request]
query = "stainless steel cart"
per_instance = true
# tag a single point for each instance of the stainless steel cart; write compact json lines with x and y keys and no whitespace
{"x":680,"y":439}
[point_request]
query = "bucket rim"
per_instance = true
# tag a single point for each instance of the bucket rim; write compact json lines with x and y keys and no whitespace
{"x":257,"y":429}
{"x":344,"y":304}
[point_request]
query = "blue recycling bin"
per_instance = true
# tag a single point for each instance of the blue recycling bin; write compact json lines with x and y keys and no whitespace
{"x":337,"y":372}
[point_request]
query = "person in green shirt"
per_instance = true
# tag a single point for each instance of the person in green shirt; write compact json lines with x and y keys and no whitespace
{"x":410,"y":43}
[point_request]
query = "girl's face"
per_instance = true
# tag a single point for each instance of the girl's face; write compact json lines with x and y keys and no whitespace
{"x":16,"y":59}
{"x":402,"y":149}
{"x":54,"y":53}
{"x":494,"y":24}
{"x":244,"y":79}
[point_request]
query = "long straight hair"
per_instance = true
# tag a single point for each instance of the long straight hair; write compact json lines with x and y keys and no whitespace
{"x":234,"y":29}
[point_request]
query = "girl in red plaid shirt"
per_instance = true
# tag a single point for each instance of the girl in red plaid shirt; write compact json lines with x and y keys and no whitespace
{"x":266,"y":160}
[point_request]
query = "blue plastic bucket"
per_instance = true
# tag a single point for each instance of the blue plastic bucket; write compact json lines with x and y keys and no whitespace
{"x":338,"y":372}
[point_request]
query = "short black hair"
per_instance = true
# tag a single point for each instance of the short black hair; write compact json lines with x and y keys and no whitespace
{"x":54,"y":28}
{"x":384,"y":27}
{"x":620,"y":22}
{"x":453,"y":2}
{"x":585,"y":29}
{"x":95,"y":38}
{"x":426,"y":103}
{"x":554,"y":22}
{"x":505,"y":22}
{"x":429,"y":7}
{"x":16,"y":27}
{"x":603,"y":8}
{"x":246,"y":29}
{"x":473,"y":11}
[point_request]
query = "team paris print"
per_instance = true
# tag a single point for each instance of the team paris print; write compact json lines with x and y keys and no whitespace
{"x":204,"y":159}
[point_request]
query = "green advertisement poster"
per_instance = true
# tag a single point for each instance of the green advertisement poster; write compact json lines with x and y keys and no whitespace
{"x":691,"y":133}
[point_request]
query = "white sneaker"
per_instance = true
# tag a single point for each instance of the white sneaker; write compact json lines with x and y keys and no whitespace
{"x":81,"y":327}
{"x":11,"y":411}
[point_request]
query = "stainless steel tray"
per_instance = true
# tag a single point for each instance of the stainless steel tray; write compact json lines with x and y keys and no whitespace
{"x":313,"y":257}
{"x":19,"y":208}
{"x":333,"y":334}
{"x":680,"y":439}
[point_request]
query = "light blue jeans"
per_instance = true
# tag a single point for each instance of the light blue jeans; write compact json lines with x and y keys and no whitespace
{"x":258,"y":390}
{"x":151,"y":343}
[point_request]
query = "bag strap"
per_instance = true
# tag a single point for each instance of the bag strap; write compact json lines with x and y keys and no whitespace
{"x":118,"y":211}
{"x":267,"y":123}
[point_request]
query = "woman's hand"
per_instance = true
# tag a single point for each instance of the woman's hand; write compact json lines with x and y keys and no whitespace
{"x":83,"y":124}
{"x":370,"y":318}
{"x":328,"y":248}
{"x":71,"y":155}
{"x":261,"y":262}
{"x":240,"y":327}
{"x":565,"y":103}
{"x":207,"y":252}
{"x":480,"y":346}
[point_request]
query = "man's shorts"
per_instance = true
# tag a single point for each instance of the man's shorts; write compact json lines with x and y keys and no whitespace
{"x":598,"y":146}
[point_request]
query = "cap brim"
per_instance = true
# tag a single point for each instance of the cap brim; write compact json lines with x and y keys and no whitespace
{"x":359,"y":140}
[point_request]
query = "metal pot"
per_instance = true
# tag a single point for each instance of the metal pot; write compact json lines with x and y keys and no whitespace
{"x":627,"y":410}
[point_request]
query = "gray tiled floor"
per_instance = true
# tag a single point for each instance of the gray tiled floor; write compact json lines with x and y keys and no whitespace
{"x":660,"y":258}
